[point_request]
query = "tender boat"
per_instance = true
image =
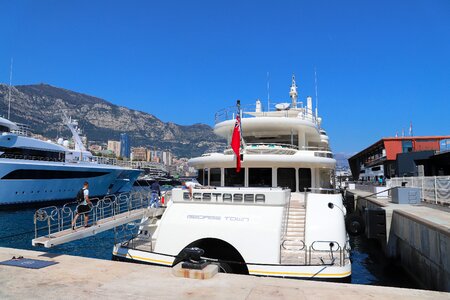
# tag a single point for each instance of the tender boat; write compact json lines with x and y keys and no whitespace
{"x":279,"y":216}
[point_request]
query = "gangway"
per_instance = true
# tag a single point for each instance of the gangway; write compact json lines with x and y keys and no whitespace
{"x":107,"y":213}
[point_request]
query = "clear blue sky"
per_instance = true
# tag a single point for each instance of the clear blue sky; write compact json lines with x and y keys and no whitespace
{"x":380,"y":64}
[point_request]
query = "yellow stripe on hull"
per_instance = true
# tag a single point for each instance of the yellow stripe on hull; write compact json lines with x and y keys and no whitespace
{"x":338,"y":275}
{"x":252,"y":272}
{"x":167,"y":263}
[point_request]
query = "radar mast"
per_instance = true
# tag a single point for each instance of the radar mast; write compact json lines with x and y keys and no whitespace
{"x":293,"y":93}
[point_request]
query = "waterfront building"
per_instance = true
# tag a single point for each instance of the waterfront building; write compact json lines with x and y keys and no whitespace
{"x":167,"y":158}
{"x":139,"y":153}
{"x":395,"y":157}
{"x":114,"y":146}
{"x":156,"y":156}
{"x":95,"y":148}
{"x":124,"y":145}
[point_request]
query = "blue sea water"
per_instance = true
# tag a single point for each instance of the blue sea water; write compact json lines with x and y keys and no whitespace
{"x":369,"y":265}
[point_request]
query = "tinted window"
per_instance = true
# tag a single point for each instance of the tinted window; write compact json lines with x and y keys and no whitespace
{"x":214,"y":177}
{"x":286,"y":178}
{"x":260,"y":177}
{"x":201,"y":176}
{"x":32,"y":154}
{"x":50,"y":174}
{"x":232,"y":178}
{"x":304,"y":179}
{"x":407,"y":146}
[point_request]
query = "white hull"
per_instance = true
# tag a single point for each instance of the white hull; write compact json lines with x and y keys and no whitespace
{"x":284,"y":271}
{"x":23,"y":181}
{"x":256,"y":231}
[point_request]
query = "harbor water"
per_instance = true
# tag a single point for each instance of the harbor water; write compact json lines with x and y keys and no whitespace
{"x":369,"y":265}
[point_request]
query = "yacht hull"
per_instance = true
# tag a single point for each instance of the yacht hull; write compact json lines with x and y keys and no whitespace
{"x":318,"y":272}
{"x":24,"y":182}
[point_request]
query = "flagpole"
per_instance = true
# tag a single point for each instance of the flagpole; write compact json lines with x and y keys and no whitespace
{"x":236,"y":138}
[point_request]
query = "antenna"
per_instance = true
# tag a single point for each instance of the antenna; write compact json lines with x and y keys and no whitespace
{"x":317,"y":97}
{"x":268,"y":92}
{"x":10,"y":82}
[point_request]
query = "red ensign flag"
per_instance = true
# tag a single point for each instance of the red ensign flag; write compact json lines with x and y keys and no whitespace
{"x":236,"y":142}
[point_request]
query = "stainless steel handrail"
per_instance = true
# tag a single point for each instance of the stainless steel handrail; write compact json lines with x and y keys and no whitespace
{"x":60,"y":218}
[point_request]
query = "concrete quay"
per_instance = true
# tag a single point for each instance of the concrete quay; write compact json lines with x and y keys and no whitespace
{"x":80,"y":278}
{"x":418,"y":235}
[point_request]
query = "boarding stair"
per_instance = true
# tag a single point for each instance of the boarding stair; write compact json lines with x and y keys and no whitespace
{"x":293,"y":246}
{"x":53,"y":225}
{"x":293,"y":250}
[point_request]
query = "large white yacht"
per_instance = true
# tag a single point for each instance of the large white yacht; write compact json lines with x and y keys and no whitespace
{"x":32,"y":170}
{"x":279,"y":216}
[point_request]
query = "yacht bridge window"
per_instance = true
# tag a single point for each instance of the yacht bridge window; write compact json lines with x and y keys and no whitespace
{"x":260,"y":177}
{"x":232,"y":178}
{"x":50,"y":174}
{"x":286,"y":178}
{"x":4,"y":128}
{"x":32,"y":154}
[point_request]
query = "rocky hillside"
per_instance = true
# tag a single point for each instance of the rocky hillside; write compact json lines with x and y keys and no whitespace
{"x":41,"y":107}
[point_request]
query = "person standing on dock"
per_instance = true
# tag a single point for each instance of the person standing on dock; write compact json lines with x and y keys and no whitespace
{"x":156,"y":193}
{"x":84,"y":205}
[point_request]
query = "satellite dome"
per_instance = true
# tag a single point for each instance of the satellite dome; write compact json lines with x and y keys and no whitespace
{"x":282,"y":106}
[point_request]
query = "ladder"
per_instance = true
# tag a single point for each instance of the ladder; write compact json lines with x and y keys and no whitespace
{"x":107,"y":213}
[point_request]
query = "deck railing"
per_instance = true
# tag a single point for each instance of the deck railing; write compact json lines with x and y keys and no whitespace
{"x":309,"y":255}
{"x":435,"y":189}
{"x":121,"y":163}
{"x":248,"y":111}
{"x":280,"y":148}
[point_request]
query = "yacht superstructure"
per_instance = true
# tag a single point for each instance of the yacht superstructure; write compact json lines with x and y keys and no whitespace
{"x":279,"y":216}
{"x":33,"y":170}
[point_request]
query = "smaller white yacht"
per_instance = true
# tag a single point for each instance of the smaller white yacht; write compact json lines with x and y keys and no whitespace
{"x":279,"y":216}
{"x":32,"y":170}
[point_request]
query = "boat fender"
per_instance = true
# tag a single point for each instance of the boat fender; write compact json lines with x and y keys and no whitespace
{"x":354,"y":224}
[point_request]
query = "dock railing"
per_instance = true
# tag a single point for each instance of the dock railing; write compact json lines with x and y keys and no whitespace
{"x":54,"y":219}
{"x":435,"y":189}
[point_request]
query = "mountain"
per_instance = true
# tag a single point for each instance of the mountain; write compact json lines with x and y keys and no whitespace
{"x":342,"y":159}
{"x":41,"y":107}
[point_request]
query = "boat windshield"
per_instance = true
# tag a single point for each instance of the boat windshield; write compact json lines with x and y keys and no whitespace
{"x":4,"y":128}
